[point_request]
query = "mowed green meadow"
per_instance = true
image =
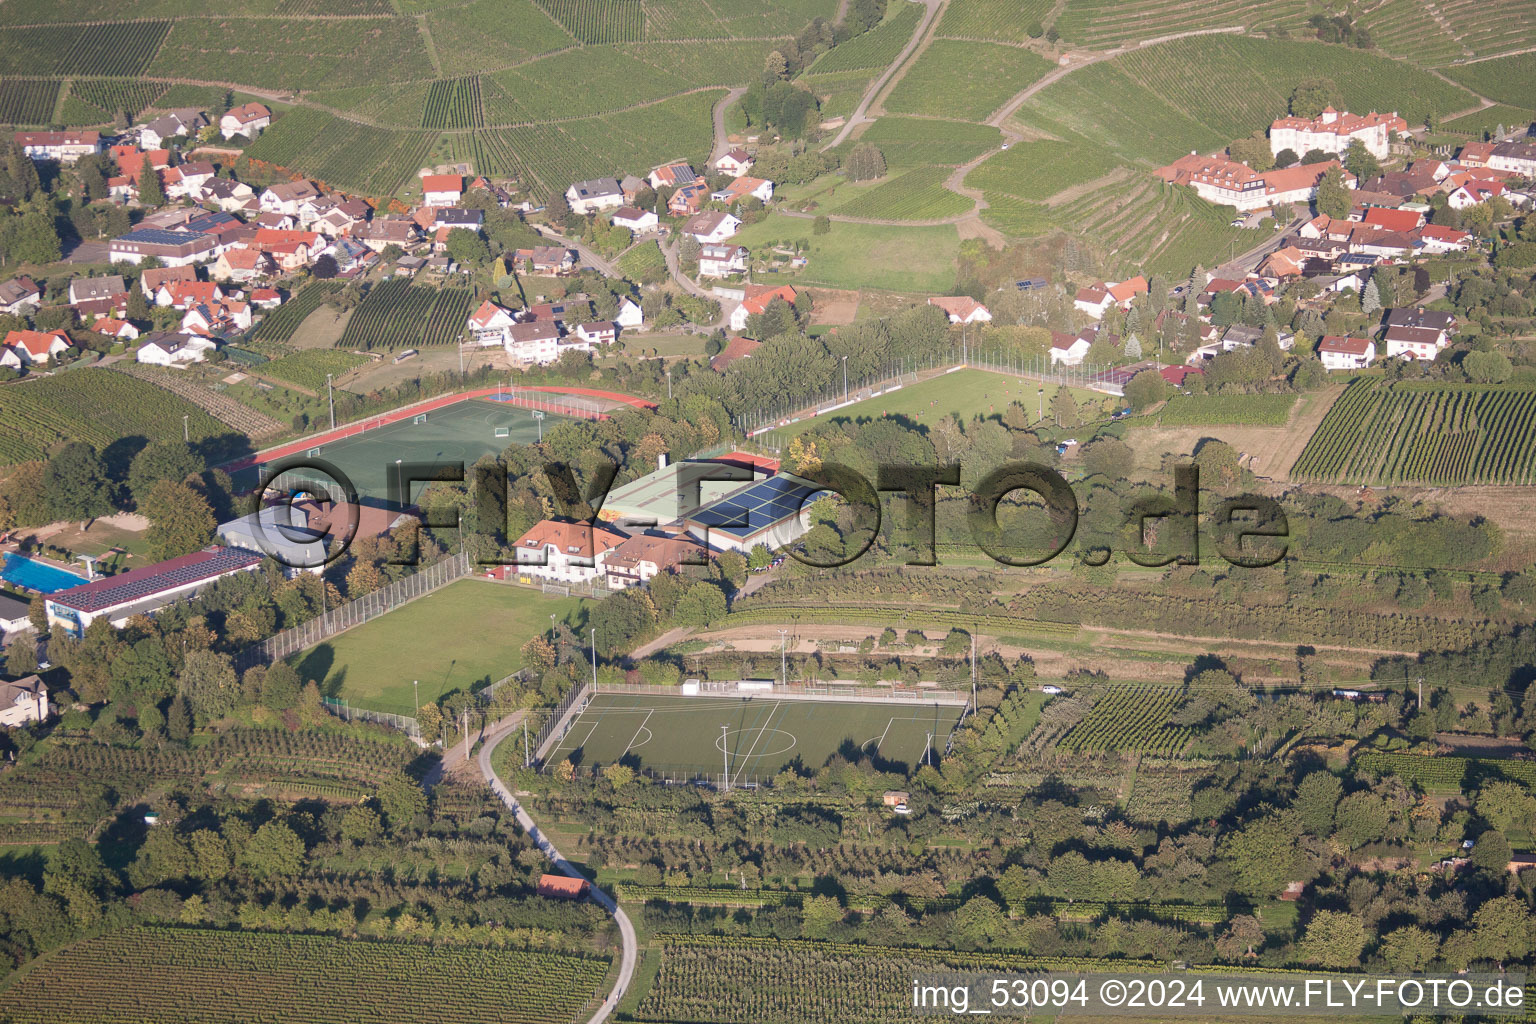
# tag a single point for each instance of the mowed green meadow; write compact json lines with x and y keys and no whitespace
{"x":464,"y":636}
{"x":962,"y":394}
{"x":891,"y":258}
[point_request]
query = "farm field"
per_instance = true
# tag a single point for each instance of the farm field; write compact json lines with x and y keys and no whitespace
{"x":1129,"y":717}
{"x":308,"y":369}
{"x":95,"y":406}
{"x":1211,"y":410}
{"x":642,"y":261}
{"x":839,"y":92}
{"x":462,"y":432}
{"x":1443,"y":434}
{"x":97,"y":100}
{"x":340,"y":153}
{"x":1444,"y":773}
{"x":962,"y":394}
{"x":906,"y":141}
{"x":28,"y":101}
{"x":486,"y":35}
{"x":1005,"y":20}
{"x":215,"y":976}
{"x":909,"y":259}
{"x":1040,"y":168}
{"x":965,"y":81}
{"x":93,"y":49}
{"x":1490,"y":118}
{"x":295,"y":53}
{"x":466,"y":635}
{"x":760,"y":734}
{"x":454,"y":103}
{"x":918,"y":194}
{"x":398,"y":314}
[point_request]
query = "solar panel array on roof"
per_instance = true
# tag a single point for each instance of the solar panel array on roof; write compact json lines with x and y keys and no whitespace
{"x":139,"y":584}
{"x":758,"y":507}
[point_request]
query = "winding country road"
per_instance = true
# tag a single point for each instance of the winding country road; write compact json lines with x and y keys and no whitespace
{"x":631,"y":954}
{"x":857,"y":117}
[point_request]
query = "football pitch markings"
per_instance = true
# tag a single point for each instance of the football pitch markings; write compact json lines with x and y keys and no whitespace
{"x":755,"y":736}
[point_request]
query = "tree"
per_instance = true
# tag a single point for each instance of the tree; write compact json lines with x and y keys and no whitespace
{"x":1370,"y":299}
{"x":160,"y":461}
{"x":1242,"y":934}
{"x":151,"y":192}
{"x":467,"y":247}
{"x":1362,"y":163}
{"x":1285,"y":158}
{"x":622,"y":621}
{"x":1333,"y":195}
{"x":209,"y":684}
{"x":1312,"y":95}
{"x":36,"y":238}
{"x":1145,"y":390}
{"x":1491,"y":852}
{"x":325,"y":268}
{"x":280,"y":688}
{"x":401,"y":800}
{"x":1502,"y":929}
{"x":1409,"y":949}
{"x":21,"y":657}
{"x":1333,"y":939}
{"x":822,"y":225}
{"x":1487,"y":367}
{"x":76,"y":483}
{"x":864,"y":163}
{"x":1315,"y":800}
{"x":275,"y":851}
{"x":775,"y":66}
{"x":1315,"y":156}
{"x":360,"y":824}
{"x":180,"y":521}
{"x":702,"y":604}
{"x":1253,"y":151}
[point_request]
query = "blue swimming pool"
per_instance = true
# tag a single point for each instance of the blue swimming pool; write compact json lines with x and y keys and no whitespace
{"x":21,"y":571}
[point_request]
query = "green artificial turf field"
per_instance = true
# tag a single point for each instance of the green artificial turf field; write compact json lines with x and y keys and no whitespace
{"x":761,"y":734}
{"x":457,"y":433}
{"x":963,"y":394}
{"x":464,"y":636}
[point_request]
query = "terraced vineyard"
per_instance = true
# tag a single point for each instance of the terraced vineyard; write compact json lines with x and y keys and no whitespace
{"x":599,"y":21}
{"x":1489,"y":119}
{"x":1507,"y":79}
{"x":280,"y":324}
{"x":918,"y":194}
{"x":1406,"y":28}
{"x":1445,"y":773}
{"x":220,"y":406}
{"x":308,"y":369}
{"x":214,"y":976}
{"x":1131,"y":717}
{"x":965,"y":81}
{"x":873,"y":49}
{"x":454,"y":103}
{"x":1103,"y":24}
{"x":117,"y":48}
{"x":112,"y":95}
{"x":1040,"y":168}
{"x":1442,"y":434}
{"x":643,"y":261}
{"x":342,"y":154}
{"x":28,"y":101}
{"x":94,"y":406}
{"x":398,"y":314}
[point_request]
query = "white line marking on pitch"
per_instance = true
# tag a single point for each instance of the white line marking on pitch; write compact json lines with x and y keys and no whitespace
{"x":882,"y":735}
{"x":760,"y":734}
{"x":636,"y":736}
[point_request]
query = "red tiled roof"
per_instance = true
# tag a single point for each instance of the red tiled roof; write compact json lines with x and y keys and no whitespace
{"x":736,"y":348}
{"x":442,"y":183}
{"x":1126,"y":290}
{"x":1392,"y":220}
{"x":37,"y":343}
{"x":759,"y":302}
{"x":959,"y":306}
{"x":569,"y":538}
{"x":1343,"y":345}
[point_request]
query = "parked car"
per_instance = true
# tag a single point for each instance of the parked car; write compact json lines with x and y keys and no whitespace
{"x":1053,"y":690}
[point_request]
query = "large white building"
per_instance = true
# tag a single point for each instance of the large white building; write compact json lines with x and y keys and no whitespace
{"x":1333,"y":130}
{"x":1225,"y":182}
{"x":565,"y":552}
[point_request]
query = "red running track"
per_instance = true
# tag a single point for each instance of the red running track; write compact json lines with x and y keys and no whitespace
{"x":395,"y":416}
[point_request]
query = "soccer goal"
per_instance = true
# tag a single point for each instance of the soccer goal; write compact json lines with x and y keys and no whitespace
{"x":503,"y":431}
{"x":314,"y":452}
{"x":557,"y":588}
{"x":418,"y":419}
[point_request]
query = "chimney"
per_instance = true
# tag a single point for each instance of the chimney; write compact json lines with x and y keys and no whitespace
{"x":661,"y":461}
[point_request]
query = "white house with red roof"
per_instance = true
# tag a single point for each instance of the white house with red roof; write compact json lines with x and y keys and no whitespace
{"x":1225,"y":182}
{"x":119,"y":330}
{"x":488,"y":325}
{"x":1473,"y":192}
{"x":184,"y":295}
{"x":1068,"y":349}
{"x":1096,"y":299}
{"x":35,"y":347}
{"x":145,"y":590}
{"x":598,"y":332}
{"x":249,"y":120}
{"x":635,"y":220}
{"x":744,"y":187}
{"x":673,"y":175}
{"x":1344,"y":353}
{"x":441,"y":189}
{"x":1333,"y":130}
{"x":266,"y":298}
{"x":1421,"y":343}
{"x":962,"y":309}
{"x":565,"y":552}
{"x":758,"y":302}
{"x":65,"y":147}
{"x":1440,"y":239}
{"x":735,"y":162}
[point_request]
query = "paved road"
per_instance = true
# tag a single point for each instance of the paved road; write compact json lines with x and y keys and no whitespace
{"x":874,"y":89}
{"x":631,"y":954}
{"x":720,"y":144}
{"x":588,"y":257}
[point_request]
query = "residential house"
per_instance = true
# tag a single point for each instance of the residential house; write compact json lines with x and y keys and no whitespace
{"x":287,"y":197}
{"x":451,"y":217}
{"x":744,"y":188}
{"x":1217,"y":286}
{"x":962,"y":309}
{"x":1422,"y":343}
{"x":1475,"y":155}
{"x":248,"y":120}
{"x":1226,"y":182}
{"x":87,"y":289}
{"x":225,"y":229}
{"x":586,"y":197}
{"x":441,"y":189}
{"x":1437,"y":239}
{"x":1393,"y":220}
{"x":688,"y":199}
{"x":265,"y":299}
{"x":1287,"y":261}
{"x":488,"y":325}
{"x":151,"y":280}
{"x":176,"y":124}
{"x":565,"y":552}
{"x":167,"y":348}
{"x":276,"y":221}
{"x":598,"y":332}
{"x":352,"y":257}
{"x":1515,"y":157}
{"x":712,"y":226}
{"x":722,"y":260}
{"x":673,"y":176}
{"x":557,"y":313}
{"x":533,"y":343}
{"x":1473,"y":192}
{"x":186,"y":181}
{"x":35,"y":347}
{"x":62,"y":147}
{"x":1069,"y":349}
{"x":241,"y":266}
{"x":183,"y":295}
{"x":23,"y":700}
{"x":19,"y":296}
{"x":1370,"y":241}
{"x":172,"y":248}
{"x":632,"y":186}
{"x":117,"y":330}
{"x":1096,"y":299}
{"x":757,"y":301}
{"x":219,"y":319}
{"x":736,"y":348}
{"x":547,"y":259}
{"x":1242,"y":336}
{"x":1333,"y":130}
{"x":1418,"y":316}
{"x":644,"y":556}
{"x":227,"y":194}
{"x":343,"y":218}
{"x":382,"y":232}
{"x":1342,"y":353}
{"x":638,"y":222}
{"x":630,"y":316}
{"x":735,"y":162}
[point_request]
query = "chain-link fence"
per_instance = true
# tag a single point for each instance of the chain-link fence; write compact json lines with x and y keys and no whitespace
{"x":354,"y":613}
{"x":344,"y":711}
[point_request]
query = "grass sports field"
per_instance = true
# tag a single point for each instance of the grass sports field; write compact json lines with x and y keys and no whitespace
{"x":964,"y":393}
{"x":457,"y":433}
{"x":761,"y":735}
{"x":464,"y":636}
